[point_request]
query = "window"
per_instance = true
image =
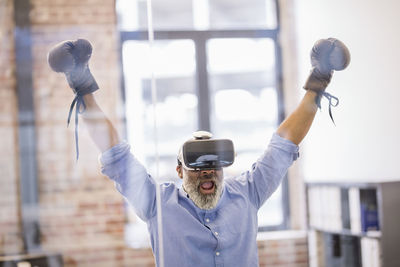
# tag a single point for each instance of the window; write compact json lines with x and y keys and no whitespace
{"x":217,"y":67}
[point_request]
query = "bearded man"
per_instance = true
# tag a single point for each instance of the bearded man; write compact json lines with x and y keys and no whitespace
{"x":209,"y":220}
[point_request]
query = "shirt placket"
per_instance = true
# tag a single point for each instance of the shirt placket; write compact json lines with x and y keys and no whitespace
{"x":208,"y":221}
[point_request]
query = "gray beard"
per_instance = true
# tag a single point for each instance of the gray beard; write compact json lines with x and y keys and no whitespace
{"x":205,"y":202}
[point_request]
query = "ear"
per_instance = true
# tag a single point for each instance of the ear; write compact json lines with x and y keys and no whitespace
{"x":179,"y":171}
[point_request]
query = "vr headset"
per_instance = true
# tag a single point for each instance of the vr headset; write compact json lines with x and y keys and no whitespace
{"x":202,"y":152}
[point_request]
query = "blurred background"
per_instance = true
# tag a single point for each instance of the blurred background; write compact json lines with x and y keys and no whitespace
{"x":235,"y":68}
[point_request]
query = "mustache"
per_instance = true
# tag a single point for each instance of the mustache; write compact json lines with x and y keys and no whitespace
{"x":206,"y":176}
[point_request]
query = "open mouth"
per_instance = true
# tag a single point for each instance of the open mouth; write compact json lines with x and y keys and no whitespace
{"x":207,"y":187}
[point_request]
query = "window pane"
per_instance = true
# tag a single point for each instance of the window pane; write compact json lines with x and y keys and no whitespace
{"x":167,"y":14}
{"x":245,"y":104}
{"x":197,"y":14}
{"x":176,"y":109}
{"x":226,"y":14}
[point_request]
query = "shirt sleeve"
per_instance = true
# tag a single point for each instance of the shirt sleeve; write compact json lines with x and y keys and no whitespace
{"x":131,"y":179}
{"x":267,"y":173}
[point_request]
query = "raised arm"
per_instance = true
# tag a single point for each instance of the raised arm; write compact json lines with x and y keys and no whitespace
{"x":131,"y":177}
{"x":327,"y":55}
{"x":296,"y":126}
{"x":99,"y":126}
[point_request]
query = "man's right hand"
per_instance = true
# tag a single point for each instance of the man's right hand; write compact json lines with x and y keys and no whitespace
{"x":72,"y":58}
{"x":326,"y":55}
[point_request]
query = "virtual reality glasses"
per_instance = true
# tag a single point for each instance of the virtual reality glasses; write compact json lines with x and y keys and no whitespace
{"x":205,"y":153}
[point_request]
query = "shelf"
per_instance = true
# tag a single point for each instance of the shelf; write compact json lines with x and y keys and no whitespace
{"x":353,"y":224}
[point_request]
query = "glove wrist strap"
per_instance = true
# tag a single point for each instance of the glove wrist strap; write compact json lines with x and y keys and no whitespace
{"x":80,"y":107}
{"x":333,"y":101}
{"x":84,"y":86}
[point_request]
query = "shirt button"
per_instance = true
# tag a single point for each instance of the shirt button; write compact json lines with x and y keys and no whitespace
{"x":207,"y":220}
{"x":217,"y":253}
{"x":216,"y":233}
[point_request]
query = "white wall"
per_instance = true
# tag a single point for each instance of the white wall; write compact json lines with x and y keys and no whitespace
{"x":365,"y":143}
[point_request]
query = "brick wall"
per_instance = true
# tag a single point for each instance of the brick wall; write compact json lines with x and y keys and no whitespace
{"x":81,"y":214}
{"x":10,"y":238}
{"x":283,"y":249}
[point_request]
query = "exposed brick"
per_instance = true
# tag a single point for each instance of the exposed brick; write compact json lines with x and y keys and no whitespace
{"x":283,"y":252}
{"x":10,"y":231}
{"x":78,"y":205}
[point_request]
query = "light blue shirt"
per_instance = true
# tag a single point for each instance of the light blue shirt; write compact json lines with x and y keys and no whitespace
{"x":223,"y":236}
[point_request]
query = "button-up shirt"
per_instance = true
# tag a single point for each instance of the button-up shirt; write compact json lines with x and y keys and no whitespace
{"x":222,"y":236}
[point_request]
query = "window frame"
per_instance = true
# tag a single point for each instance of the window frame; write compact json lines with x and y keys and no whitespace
{"x":200,"y":38}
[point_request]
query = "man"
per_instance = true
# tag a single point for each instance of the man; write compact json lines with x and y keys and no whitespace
{"x":209,"y":221}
